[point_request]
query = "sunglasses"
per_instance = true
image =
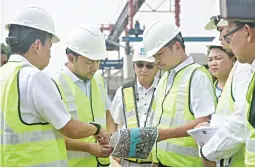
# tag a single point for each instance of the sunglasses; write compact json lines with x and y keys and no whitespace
{"x":227,"y":37}
{"x":141,"y":65}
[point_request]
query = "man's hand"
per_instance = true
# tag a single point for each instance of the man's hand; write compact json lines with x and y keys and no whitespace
{"x":209,"y":163}
{"x":154,"y":165}
{"x":100,"y":151}
{"x":118,"y":160}
{"x":203,"y":124}
{"x":103,"y":141}
{"x":103,"y":137}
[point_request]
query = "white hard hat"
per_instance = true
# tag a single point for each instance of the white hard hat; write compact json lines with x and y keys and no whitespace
{"x":216,"y":20}
{"x":157,"y":35}
{"x":88,"y":41}
{"x":216,"y":42}
{"x":140,"y":55}
{"x":34,"y":17}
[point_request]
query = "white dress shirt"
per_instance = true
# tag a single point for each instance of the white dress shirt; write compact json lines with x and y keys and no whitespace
{"x":145,"y":96}
{"x":85,"y":86}
{"x":231,"y":136}
{"x":40,"y":101}
{"x":201,"y":90}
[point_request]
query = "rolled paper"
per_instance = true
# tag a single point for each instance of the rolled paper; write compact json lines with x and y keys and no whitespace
{"x":134,"y":142}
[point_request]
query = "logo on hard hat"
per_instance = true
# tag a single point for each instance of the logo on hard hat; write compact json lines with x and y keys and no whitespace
{"x":142,"y":52}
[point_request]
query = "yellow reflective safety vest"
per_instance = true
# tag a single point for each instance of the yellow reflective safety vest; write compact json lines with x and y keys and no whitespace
{"x":23,"y":144}
{"x":129,"y":94}
{"x":225,"y":107}
{"x":85,"y":109}
{"x":173,"y":110}
{"x":250,"y":142}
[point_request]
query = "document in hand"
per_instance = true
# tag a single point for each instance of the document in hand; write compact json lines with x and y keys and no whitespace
{"x":203,"y":134}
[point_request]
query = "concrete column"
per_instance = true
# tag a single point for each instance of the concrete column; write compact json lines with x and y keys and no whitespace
{"x":128,"y":72}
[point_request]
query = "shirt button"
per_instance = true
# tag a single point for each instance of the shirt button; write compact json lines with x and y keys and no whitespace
{"x":145,"y":104}
{"x":145,"y":94}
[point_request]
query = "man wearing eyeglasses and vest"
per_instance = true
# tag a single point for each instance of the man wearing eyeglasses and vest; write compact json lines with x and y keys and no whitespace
{"x":33,"y":115}
{"x":133,"y":105}
{"x":184,"y":96}
{"x":85,"y":94}
{"x":242,"y":41}
{"x":226,"y":147}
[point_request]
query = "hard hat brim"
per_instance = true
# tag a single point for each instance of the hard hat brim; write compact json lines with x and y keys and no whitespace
{"x":143,"y":59}
{"x":55,"y":38}
{"x":154,"y":51}
{"x":210,"y":25}
{"x":97,"y":56}
{"x":200,"y":59}
{"x":222,"y":23}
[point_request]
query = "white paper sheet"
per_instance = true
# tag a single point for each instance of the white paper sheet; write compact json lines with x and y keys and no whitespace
{"x":203,"y":134}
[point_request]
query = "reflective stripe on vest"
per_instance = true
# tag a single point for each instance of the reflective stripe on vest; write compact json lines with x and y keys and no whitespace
{"x":250,"y":151}
{"x":130,"y":113}
{"x":250,"y":142}
{"x":22,"y":144}
{"x":79,"y":106}
{"x":190,"y":151}
{"x":172,"y":111}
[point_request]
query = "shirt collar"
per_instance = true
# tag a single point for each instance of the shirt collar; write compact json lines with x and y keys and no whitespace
{"x":253,"y":66}
{"x":68,"y":72}
{"x":20,"y":58}
{"x":153,"y":85}
{"x":184,"y":64}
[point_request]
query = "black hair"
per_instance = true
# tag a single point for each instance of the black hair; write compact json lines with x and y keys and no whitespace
{"x":69,"y":51}
{"x":20,"y":38}
{"x":178,"y":38}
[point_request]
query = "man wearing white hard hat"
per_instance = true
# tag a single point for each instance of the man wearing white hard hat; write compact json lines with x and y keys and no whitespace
{"x":184,"y":95}
{"x":85,"y":94}
{"x":33,"y":115}
{"x":232,"y":105}
{"x":133,"y":104}
{"x":242,"y":41}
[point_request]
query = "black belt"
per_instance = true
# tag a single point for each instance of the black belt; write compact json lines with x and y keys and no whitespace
{"x":137,"y":162}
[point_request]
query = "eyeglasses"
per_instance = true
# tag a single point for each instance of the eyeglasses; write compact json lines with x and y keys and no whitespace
{"x":227,"y":36}
{"x":141,"y":65}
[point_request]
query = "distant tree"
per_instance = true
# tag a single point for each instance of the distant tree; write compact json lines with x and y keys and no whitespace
{"x":6,"y":49}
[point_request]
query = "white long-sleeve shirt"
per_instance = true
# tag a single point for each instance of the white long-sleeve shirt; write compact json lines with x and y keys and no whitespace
{"x":231,"y":136}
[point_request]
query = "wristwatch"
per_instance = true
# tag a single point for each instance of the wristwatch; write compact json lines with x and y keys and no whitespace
{"x":98,"y":127}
